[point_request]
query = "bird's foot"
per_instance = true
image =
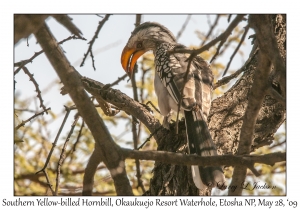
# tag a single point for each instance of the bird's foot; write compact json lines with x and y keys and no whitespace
{"x":166,"y":123}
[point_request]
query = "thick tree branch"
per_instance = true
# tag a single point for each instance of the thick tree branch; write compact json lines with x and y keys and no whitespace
{"x":123,"y":102}
{"x":90,"y":170}
{"x":107,"y":148}
{"x":24,"y":25}
{"x":256,"y":96}
{"x":186,"y":159}
{"x":66,"y":21}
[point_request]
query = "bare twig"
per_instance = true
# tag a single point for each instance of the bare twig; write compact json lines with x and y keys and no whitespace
{"x":56,"y":139}
{"x":62,"y":155}
{"x":227,"y":79}
{"x":222,"y":37}
{"x":32,"y":177}
{"x":52,"y":149}
{"x":98,"y":51}
{"x":29,"y":119}
{"x":144,"y":71}
{"x":48,"y":182}
{"x":236,"y":49}
{"x":279,"y":144}
{"x":89,"y":50}
{"x":37,"y":89}
{"x":229,"y":17}
{"x":118,"y":80}
{"x":212,"y":27}
{"x":229,"y":42}
{"x":76,"y":142}
{"x":148,"y":139}
{"x":20,"y":64}
{"x":183,"y":26}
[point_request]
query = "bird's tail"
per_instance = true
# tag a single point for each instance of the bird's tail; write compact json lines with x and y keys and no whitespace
{"x":200,"y":143}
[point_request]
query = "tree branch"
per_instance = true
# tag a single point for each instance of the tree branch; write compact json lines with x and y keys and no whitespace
{"x":20,"y":64}
{"x":227,"y":79}
{"x":236,"y":49}
{"x":71,"y":80}
{"x":66,"y":21}
{"x":29,"y":119}
{"x":37,"y":89}
{"x":63,"y":155}
{"x":256,"y":96}
{"x":123,"y":102}
{"x":24,"y":25}
{"x":262,"y":24}
{"x":183,"y":27}
{"x":89,"y":50}
{"x":222,"y":37}
{"x":186,"y":159}
{"x":210,"y":30}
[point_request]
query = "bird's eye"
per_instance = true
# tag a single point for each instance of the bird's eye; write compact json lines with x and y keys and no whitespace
{"x":139,"y":45}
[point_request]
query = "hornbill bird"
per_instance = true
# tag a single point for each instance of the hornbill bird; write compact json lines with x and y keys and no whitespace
{"x":169,"y":82}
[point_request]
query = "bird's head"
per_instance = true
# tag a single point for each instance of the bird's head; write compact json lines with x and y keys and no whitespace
{"x":145,"y":37}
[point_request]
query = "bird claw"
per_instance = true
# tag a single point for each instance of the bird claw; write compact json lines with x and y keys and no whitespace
{"x":147,"y":107}
{"x":166,"y":123}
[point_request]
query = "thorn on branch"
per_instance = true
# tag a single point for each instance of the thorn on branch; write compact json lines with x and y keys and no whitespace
{"x":89,"y":50}
{"x":29,"y":119}
{"x":118,"y":80}
{"x":26,"y":71}
{"x":21,"y":64}
{"x":63,"y":155}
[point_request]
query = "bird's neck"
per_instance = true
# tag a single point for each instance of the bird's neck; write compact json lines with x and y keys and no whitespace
{"x":162,"y":49}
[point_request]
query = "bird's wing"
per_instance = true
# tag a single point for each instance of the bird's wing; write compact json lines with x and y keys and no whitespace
{"x":196,"y":87}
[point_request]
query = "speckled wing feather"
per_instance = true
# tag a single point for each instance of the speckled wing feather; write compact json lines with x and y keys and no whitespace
{"x":196,"y":91}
